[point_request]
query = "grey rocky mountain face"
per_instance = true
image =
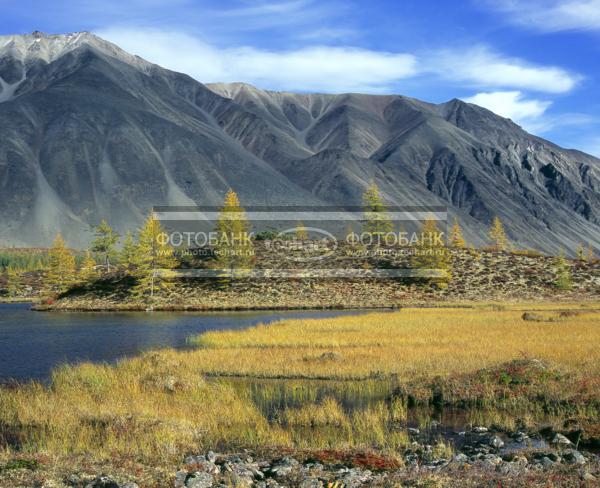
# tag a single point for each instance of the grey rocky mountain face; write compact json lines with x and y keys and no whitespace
{"x":90,"y":132}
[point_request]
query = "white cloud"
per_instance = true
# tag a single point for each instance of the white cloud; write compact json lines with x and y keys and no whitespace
{"x":510,"y":104}
{"x":553,"y":15}
{"x":317,"y":68}
{"x":529,"y":113}
{"x":482,"y":67}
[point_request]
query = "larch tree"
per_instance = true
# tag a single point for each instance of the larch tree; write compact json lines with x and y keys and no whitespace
{"x":301,"y":232}
{"x":61,"y":272}
{"x":377,"y":222}
{"x":104,"y":242}
{"x":590,"y":253}
{"x":153,"y":259}
{"x":456,"y":238}
{"x":564,"y":280}
{"x":431,"y":255}
{"x":580,"y":252}
{"x":234,"y":249}
{"x":128,"y":252}
{"x":498,"y":235}
{"x":88,"y":272}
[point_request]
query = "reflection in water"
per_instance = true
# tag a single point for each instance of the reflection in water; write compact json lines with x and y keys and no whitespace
{"x":327,"y":412}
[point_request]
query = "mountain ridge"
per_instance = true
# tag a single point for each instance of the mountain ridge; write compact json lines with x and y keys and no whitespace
{"x":90,"y":132}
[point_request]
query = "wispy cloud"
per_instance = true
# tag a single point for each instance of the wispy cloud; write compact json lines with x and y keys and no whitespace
{"x":481,"y":67}
{"x":337,"y":68}
{"x":551,"y":15}
{"x":317,"y":68}
{"x":511,"y":104}
{"x":530,"y":113}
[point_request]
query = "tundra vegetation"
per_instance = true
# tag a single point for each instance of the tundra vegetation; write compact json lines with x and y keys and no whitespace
{"x":492,"y":363}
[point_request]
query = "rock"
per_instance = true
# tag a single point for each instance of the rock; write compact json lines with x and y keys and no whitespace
{"x":311,"y":483}
{"x":356,"y":477}
{"x":573,"y":457}
{"x":521,"y":437}
{"x":269,"y":483}
{"x":413,"y":431}
{"x":130,"y":484}
{"x":546,"y":462}
{"x":199,"y":480}
{"x":180,"y":478}
{"x":496,"y":442}
{"x":561,"y":440}
{"x":195,"y":459}
{"x":284,"y":467}
{"x":211,"y":456}
{"x":480,"y":430}
{"x":492,"y":459}
{"x":103,"y":481}
{"x":460,"y":458}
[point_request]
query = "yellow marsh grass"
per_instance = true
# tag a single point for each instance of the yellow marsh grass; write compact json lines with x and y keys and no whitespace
{"x":154,"y":408}
{"x":406,"y":343}
{"x":157,"y":406}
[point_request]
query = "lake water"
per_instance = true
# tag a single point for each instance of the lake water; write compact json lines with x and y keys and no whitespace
{"x":33,"y":343}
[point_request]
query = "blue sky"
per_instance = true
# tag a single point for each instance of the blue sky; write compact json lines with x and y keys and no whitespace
{"x":534,"y":61}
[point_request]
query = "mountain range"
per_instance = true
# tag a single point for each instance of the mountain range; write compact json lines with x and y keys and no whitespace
{"x":89,"y":131}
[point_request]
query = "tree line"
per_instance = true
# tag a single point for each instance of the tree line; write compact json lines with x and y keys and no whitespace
{"x":147,"y":259}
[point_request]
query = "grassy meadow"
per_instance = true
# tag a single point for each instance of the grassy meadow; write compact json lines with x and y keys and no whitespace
{"x":407,"y":343}
{"x":163,"y":404}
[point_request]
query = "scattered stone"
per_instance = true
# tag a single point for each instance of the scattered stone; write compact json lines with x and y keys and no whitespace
{"x":103,"y":481}
{"x":180,"y":478}
{"x":496,"y":442}
{"x":588,"y":477}
{"x":573,"y":457}
{"x":460,"y":458}
{"x":413,"y":431}
{"x":480,"y":430}
{"x":284,"y":467}
{"x":311,"y":483}
{"x":199,"y":480}
{"x":561,"y":440}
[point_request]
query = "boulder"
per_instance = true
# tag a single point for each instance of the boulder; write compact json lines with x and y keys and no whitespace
{"x":573,"y":457}
{"x":199,"y":480}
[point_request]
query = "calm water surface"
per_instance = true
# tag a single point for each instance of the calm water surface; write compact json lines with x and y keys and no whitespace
{"x":32,"y":343}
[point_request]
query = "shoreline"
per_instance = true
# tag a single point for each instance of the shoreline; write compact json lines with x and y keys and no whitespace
{"x":466,"y":304}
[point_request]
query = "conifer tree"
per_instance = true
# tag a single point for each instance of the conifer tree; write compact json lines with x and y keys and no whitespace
{"x":301,"y":232}
{"x":60,"y":275}
{"x":14,"y":283}
{"x":456,"y":238}
{"x":152,"y":260}
{"x":580,"y":252}
{"x":431,"y":254}
{"x":563,"y":272}
{"x":128,"y":252}
{"x":234,"y":249}
{"x":590,"y":253}
{"x":377,"y":222}
{"x":498,"y":235}
{"x":88,"y":272}
{"x":104,"y":242}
